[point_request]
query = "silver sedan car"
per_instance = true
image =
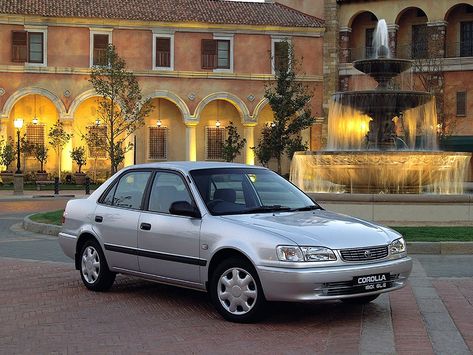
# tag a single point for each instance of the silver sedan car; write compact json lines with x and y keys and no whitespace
{"x":242,"y":233}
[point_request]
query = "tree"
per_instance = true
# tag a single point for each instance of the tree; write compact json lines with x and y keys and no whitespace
{"x":79,"y":157}
{"x":289,"y":99}
{"x":120,"y":107}
{"x":233,"y":145}
{"x":263,"y":149}
{"x":7,"y":152}
{"x":95,"y":141}
{"x":58,"y":138}
{"x":41,"y":154}
{"x":429,"y":75}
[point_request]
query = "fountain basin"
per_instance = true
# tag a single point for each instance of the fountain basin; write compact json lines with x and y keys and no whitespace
{"x":384,"y":69}
{"x":382,"y":102}
{"x":380,"y":172}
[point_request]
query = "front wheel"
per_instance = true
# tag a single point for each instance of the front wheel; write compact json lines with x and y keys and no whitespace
{"x":94,"y":270}
{"x":236,"y":292}
{"x":360,"y":300}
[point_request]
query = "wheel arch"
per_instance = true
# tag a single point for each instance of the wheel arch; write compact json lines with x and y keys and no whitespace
{"x":222,"y":254}
{"x":84,"y":237}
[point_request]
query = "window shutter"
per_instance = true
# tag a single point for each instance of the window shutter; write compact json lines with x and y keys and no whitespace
{"x":281,"y":56}
{"x":100,"y":49}
{"x":163,"y":52}
{"x":209,"y":54}
{"x":461,"y":103}
{"x":19,"y":46}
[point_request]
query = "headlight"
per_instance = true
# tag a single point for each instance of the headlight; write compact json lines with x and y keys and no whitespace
{"x":289,"y":253}
{"x":318,"y":254}
{"x":398,"y":246}
{"x":292,"y":253}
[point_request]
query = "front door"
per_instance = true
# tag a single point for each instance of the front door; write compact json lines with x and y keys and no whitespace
{"x":168,"y":245}
{"x":116,"y":219}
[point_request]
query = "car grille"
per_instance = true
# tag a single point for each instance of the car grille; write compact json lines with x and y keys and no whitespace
{"x":363,"y":254}
{"x":347,"y":287}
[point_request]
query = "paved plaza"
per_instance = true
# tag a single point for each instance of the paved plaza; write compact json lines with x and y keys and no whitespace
{"x":45,"y":309}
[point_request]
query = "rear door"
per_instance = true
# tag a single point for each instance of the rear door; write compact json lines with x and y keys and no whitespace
{"x":169,"y":244}
{"x":116,"y":219}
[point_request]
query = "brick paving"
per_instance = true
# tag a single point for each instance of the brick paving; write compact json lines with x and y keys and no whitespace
{"x":45,"y":309}
{"x":457,"y":295}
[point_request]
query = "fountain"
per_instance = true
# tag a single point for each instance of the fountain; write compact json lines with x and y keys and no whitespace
{"x":381,"y":140}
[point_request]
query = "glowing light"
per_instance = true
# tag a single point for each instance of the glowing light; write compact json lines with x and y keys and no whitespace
{"x":158,"y":123}
{"x":217,"y":124}
{"x":97,"y":122}
{"x":35,"y":120}
{"x":18,"y":123}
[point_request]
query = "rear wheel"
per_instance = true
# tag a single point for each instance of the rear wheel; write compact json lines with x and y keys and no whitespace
{"x":360,"y":300}
{"x":94,"y":270}
{"x":236,"y":292}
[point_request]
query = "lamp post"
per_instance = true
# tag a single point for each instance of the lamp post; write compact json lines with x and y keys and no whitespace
{"x":18,"y":123}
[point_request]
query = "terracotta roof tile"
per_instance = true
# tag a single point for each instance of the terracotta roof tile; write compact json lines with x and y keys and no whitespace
{"x":206,"y":11}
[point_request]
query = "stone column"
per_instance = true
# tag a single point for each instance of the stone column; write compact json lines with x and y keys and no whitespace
{"x":249,"y":134}
{"x":66,"y":161}
{"x":344,"y":45}
{"x":436,"y":38}
{"x":331,"y":55}
{"x":130,"y":155}
{"x":191,"y":141}
{"x":317,"y":141}
{"x":392,"y":39}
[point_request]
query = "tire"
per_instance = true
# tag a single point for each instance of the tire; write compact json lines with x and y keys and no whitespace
{"x":360,"y":300}
{"x":94,"y":270}
{"x":245,"y":302}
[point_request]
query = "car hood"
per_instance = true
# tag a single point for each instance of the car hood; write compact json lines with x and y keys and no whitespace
{"x":320,"y":228}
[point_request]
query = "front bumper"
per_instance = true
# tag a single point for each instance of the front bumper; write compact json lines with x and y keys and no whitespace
{"x":325,"y":283}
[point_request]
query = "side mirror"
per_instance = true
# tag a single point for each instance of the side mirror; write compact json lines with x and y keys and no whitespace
{"x":184,"y":208}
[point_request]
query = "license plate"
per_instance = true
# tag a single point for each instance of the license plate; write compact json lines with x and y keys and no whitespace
{"x":372,"y":282}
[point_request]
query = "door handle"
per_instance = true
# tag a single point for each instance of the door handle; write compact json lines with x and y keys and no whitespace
{"x":145,"y":226}
{"x":99,"y":219}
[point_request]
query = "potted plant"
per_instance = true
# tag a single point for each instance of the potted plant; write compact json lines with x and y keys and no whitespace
{"x":7,"y":156}
{"x":41,"y":155}
{"x":79,"y":157}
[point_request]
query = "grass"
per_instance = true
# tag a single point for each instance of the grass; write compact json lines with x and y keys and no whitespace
{"x":436,"y":234}
{"x":53,"y":217}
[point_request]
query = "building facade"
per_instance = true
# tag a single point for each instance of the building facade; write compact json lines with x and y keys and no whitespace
{"x":437,"y":35}
{"x":203,"y":64}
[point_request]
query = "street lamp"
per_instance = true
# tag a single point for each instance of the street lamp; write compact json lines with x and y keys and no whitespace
{"x":18,"y":123}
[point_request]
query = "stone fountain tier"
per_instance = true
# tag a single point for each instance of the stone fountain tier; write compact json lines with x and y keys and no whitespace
{"x":382,"y":102}
{"x":383,"y":69}
{"x":380,"y":172}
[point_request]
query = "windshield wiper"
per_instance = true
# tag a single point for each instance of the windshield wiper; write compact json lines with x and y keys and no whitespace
{"x":273,"y":208}
{"x":306,"y":208}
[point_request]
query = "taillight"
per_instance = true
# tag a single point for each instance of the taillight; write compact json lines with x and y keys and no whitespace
{"x":63,"y":217}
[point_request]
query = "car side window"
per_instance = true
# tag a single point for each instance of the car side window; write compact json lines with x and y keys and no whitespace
{"x":166,"y":189}
{"x":128,"y":193}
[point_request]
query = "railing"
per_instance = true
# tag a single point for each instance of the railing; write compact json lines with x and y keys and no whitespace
{"x":410,"y":51}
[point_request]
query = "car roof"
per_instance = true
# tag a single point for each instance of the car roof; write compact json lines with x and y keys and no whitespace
{"x":186,"y":166}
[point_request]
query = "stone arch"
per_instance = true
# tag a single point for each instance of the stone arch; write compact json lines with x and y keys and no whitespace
{"x":454,"y":7}
{"x":357,"y":14}
{"x":168,"y":95}
{"x":79,"y":99}
{"x":19,"y":94}
{"x":229,"y":97}
{"x":403,"y":11}
{"x":259,"y":107}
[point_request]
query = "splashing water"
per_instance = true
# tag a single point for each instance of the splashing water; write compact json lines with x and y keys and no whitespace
{"x":381,"y":38}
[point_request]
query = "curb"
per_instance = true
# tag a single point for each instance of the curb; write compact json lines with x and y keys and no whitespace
{"x":443,"y":248}
{"x":431,"y":248}
{"x":42,"y":228}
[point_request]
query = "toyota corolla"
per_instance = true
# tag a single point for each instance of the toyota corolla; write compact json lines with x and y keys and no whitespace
{"x":242,"y":233}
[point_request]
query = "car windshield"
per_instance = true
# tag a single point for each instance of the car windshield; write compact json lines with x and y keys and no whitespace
{"x":248,"y":190}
